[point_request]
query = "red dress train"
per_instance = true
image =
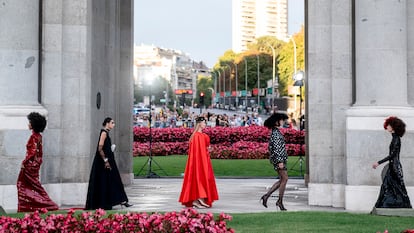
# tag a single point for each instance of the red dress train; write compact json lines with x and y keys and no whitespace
{"x":31,"y":195}
{"x":199,"y":181}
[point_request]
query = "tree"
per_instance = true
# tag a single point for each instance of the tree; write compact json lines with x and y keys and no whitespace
{"x":159,"y":88}
{"x":205,"y":85}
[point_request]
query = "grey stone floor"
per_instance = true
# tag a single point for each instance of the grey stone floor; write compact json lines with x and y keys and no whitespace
{"x":235,"y":196}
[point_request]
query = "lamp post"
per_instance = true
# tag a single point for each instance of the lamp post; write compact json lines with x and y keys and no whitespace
{"x":273,"y":76}
{"x":219,"y":86}
{"x":237,"y":84}
{"x":299,"y":81}
{"x":245,"y":81}
{"x":215,"y":88}
{"x":294,"y":54}
{"x":294,"y":63}
{"x":224,"y":81}
{"x":258,"y":84}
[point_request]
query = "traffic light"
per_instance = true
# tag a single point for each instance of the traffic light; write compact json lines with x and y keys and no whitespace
{"x":201,"y":98}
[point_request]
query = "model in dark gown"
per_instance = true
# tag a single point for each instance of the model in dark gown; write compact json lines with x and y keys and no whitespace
{"x":393,"y":193}
{"x":105,"y":185}
{"x":31,"y":195}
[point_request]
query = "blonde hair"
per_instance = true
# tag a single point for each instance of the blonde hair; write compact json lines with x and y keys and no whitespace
{"x":196,"y":129}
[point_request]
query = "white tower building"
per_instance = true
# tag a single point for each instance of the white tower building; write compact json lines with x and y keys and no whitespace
{"x":256,"y":18}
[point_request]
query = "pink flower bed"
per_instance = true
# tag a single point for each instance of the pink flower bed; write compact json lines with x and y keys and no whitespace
{"x":188,"y":220}
{"x":226,"y":142}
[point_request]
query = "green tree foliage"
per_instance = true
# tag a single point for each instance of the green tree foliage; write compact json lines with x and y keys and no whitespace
{"x":205,"y":85}
{"x":159,"y":87}
{"x":261,"y":50}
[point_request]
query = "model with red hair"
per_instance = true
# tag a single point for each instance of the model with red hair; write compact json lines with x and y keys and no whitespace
{"x":393,"y":193}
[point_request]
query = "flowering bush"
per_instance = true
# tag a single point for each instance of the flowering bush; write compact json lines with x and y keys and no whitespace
{"x":217,"y":134}
{"x":226,"y":142}
{"x":188,"y":220}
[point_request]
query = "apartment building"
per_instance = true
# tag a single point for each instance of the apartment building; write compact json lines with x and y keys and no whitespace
{"x":255,"y":18}
{"x":174,"y":66}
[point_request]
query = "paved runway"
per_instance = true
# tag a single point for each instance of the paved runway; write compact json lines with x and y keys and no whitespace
{"x":235,"y":196}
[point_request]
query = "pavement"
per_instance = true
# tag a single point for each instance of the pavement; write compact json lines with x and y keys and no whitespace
{"x":235,"y":196}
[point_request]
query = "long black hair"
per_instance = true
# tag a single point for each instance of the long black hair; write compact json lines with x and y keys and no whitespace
{"x":37,"y":121}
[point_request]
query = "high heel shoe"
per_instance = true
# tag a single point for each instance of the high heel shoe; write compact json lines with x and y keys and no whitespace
{"x":203,"y":203}
{"x":126,"y":204}
{"x":197,"y":204}
{"x":280,"y":205}
{"x":264,"y":200}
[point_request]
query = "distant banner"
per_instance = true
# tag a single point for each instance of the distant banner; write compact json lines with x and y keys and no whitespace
{"x":255,"y":91}
{"x":261,"y":91}
{"x":245,"y":93}
{"x":183,"y":91}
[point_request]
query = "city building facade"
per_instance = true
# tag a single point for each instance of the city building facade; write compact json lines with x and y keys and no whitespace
{"x":252,"y":19}
{"x":173,"y":65}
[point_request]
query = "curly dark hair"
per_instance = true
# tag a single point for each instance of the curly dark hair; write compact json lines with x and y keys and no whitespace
{"x":274,"y":119}
{"x":37,"y":121}
{"x":397,"y":125}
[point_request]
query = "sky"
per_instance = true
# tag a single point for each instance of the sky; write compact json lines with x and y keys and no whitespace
{"x":200,"y":28}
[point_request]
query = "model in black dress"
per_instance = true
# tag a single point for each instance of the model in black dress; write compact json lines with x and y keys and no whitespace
{"x":393,"y":193}
{"x":105,"y":185}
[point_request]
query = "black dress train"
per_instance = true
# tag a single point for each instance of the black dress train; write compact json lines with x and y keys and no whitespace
{"x":105,"y":186}
{"x":393,"y":193}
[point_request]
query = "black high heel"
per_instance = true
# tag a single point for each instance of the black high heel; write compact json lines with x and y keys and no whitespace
{"x":264,"y":200}
{"x":197,"y":204}
{"x":126,"y":204}
{"x":280,"y":205}
{"x":203,"y":203}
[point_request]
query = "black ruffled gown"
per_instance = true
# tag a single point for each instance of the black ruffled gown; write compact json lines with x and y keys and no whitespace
{"x":105,"y":186}
{"x":393,"y":193}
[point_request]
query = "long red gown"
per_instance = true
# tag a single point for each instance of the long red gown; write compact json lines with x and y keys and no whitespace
{"x":199,"y":181}
{"x":31,"y":195}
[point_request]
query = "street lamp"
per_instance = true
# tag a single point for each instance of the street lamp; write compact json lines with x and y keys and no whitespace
{"x":294,"y":53}
{"x":224,"y":81}
{"x":214,"y":89}
{"x":258,"y":83}
{"x":219,"y":86}
{"x":245,"y":81}
{"x":237,"y":84}
{"x":273,"y":76}
{"x":299,"y":82}
{"x":299,"y":77}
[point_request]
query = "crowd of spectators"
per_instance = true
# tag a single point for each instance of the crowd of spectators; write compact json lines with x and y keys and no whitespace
{"x":167,"y":118}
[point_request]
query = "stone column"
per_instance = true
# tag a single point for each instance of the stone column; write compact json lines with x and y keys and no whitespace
{"x":381,"y":91}
{"x":19,"y":50}
{"x":381,"y":53}
{"x":126,"y":86}
{"x":19,"y":88}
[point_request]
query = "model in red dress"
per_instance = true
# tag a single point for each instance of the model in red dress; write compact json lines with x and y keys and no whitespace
{"x":31,"y":195}
{"x":199,"y":185}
